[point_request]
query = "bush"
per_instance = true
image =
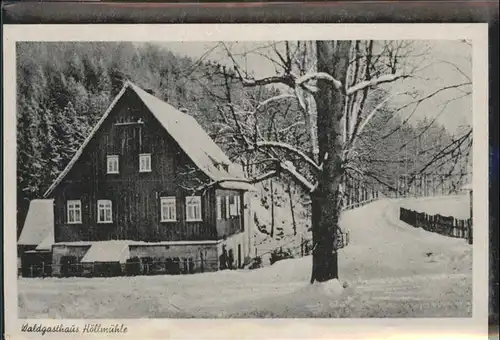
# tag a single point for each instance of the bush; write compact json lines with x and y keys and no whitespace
{"x":173,"y":267}
{"x":246,"y":261}
{"x":255,"y":263}
{"x":107,"y":269}
{"x":147,"y":265}
{"x":133,"y":266}
{"x":69,"y":266}
{"x":280,"y":254}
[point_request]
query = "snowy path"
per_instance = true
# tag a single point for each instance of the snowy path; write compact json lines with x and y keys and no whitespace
{"x":389,"y":268}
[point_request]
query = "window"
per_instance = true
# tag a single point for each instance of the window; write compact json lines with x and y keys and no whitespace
{"x":193,"y":208}
{"x":238,"y":204}
{"x":112,"y":165}
{"x":233,"y":208}
{"x":168,"y":213}
{"x":219,"y":208}
{"x":145,"y":162}
{"x":74,"y":211}
{"x":104,"y":211}
{"x":222,"y":167}
{"x":227,"y":207}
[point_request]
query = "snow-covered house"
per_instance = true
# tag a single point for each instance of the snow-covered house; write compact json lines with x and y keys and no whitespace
{"x":148,"y":182}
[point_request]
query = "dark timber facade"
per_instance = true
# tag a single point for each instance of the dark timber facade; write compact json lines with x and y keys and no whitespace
{"x":151,"y":180}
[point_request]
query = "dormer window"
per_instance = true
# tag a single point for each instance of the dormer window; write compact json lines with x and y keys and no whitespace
{"x":113,"y":164}
{"x":145,"y":162}
{"x":222,"y":167}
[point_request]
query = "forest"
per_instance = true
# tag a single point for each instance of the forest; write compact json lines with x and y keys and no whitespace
{"x":64,"y":88}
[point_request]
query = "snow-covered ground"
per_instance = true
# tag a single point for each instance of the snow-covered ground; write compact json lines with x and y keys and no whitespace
{"x":456,"y":206}
{"x":388,"y":270}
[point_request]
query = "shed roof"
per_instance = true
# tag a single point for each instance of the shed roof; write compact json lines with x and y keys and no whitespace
{"x":39,"y":223}
{"x":183,"y":128}
{"x":46,"y":243}
{"x":107,"y":251}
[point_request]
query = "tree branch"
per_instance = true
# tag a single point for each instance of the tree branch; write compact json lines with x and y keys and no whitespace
{"x":297,"y":176}
{"x":417,"y":102}
{"x":320,"y":76}
{"x":263,"y":177}
{"x":275,"y":98}
{"x":386,"y":78}
{"x":291,"y":149}
{"x":359,"y":131}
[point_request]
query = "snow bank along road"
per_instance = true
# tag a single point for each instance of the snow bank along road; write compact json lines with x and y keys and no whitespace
{"x":389,"y":270}
{"x":456,"y":206}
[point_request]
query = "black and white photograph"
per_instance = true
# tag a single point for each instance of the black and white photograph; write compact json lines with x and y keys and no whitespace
{"x":246,"y":179}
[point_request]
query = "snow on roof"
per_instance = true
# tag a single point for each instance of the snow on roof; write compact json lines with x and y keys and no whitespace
{"x":47,"y":243}
{"x":107,"y":251}
{"x":39,"y":223}
{"x":185,"y":130}
{"x":141,"y":243}
{"x":237,"y":185}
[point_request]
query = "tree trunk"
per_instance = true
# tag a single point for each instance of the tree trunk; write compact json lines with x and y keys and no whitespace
{"x":333,"y":58}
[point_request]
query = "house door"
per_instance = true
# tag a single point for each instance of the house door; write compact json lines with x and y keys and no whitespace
{"x":239,"y":255}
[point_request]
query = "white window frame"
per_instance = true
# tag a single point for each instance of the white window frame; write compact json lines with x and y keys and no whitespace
{"x":109,"y":164}
{"x":193,"y":202}
{"x":238,"y":204}
{"x":170,"y":203}
{"x":104,"y":205}
{"x":146,"y":157}
{"x":74,"y":206}
{"x":228,"y":212}
{"x":233,"y":208}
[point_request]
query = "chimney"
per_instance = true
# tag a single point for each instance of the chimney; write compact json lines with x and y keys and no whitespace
{"x":150,"y":91}
{"x":183,"y":110}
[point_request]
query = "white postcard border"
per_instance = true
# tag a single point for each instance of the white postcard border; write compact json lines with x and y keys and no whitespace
{"x":468,"y":328}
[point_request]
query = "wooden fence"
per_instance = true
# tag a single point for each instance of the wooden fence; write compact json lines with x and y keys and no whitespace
{"x":360,"y":204}
{"x":444,"y":225}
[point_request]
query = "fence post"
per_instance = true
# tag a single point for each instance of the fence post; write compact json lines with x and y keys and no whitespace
{"x":469,"y":236}
{"x":301,"y":246}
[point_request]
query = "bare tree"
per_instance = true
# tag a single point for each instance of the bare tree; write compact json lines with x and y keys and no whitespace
{"x":339,"y":87}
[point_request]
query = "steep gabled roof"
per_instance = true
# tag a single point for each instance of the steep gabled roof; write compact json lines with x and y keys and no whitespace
{"x":39,"y":224}
{"x":183,"y":128}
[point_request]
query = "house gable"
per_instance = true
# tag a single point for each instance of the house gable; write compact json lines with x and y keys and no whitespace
{"x":184,"y":129}
{"x":129,"y":131}
{"x":121,"y":202}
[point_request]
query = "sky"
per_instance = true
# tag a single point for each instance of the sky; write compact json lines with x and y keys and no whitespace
{"x":441,"y":63}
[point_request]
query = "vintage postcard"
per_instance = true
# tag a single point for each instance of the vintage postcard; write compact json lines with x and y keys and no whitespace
{"x":246,"y":181}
